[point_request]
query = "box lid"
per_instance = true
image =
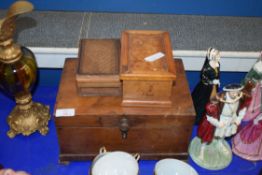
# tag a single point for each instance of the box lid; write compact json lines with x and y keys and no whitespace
{"x":137,"y":47}
{"x":98,"y":63}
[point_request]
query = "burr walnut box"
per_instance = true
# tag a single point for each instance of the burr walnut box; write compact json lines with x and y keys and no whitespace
{"x":98,"y":68}
{"x":147,"y":68}
{"x":96,"y":121}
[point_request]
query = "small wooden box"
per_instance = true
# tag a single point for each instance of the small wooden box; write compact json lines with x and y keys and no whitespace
{"x":98,"y":68}
{"x":154,"y":133}
{"x":146,"y":83}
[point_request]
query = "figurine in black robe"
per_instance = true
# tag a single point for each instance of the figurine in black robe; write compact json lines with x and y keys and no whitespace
{"x":209,"y":82}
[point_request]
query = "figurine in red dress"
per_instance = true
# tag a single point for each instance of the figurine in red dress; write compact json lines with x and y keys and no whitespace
{"x":206,"y":130}
{"x":221,"y":119}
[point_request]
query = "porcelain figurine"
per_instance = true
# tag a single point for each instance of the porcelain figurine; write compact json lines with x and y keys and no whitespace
{"x":255,"y":76}
{"x":208,"y":84}
{"x":221,"y":119}
{"x":248,"y":142}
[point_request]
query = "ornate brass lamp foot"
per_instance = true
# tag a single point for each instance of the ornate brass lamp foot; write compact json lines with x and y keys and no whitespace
{"x":28,"y":118}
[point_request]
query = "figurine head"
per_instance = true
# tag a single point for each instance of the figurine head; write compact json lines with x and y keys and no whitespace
{"x":234,"y":91}
{"x":213,"y":56}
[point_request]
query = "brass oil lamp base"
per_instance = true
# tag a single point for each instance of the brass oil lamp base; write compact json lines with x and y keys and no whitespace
{"x":28,"y":117}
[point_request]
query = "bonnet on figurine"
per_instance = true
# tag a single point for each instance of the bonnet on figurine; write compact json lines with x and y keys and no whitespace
{"x":234,"y":87}
{"x":233,"y":93}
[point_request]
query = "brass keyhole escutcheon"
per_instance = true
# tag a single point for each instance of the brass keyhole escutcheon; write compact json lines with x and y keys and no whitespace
{"x":124,"y":127}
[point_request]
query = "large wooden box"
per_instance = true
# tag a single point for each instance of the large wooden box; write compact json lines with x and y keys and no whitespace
{"x":98,"y":68}
{"x":147,"y":83}
{"x":102,"y":121}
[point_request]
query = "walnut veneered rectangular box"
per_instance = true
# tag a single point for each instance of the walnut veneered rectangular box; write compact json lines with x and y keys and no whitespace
{"x":154,"y":133}
{"x":98,"y":68}
{"x":146,"y":83}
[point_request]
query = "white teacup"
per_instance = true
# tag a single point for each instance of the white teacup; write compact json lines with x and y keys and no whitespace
{"x":173,"y":167}
{"x":115,"y":163}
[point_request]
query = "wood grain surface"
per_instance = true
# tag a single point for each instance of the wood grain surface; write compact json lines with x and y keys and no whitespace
{"x":153,"y":132}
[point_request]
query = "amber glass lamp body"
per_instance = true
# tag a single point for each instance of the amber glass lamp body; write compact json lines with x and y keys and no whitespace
{"x":18,"y":78}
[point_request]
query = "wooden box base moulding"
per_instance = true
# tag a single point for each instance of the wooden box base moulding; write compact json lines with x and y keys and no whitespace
{"x":97,"y":121}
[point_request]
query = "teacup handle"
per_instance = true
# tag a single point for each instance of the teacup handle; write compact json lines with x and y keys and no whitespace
{"x":102,"y":150}
{"x":136,"y":156}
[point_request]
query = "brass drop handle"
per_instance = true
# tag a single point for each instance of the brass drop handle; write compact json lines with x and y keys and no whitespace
{"x":124,"y":127}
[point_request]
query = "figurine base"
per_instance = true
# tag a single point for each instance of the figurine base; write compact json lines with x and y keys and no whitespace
{"x":26,"y":120}
{"x":215,"y":156}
